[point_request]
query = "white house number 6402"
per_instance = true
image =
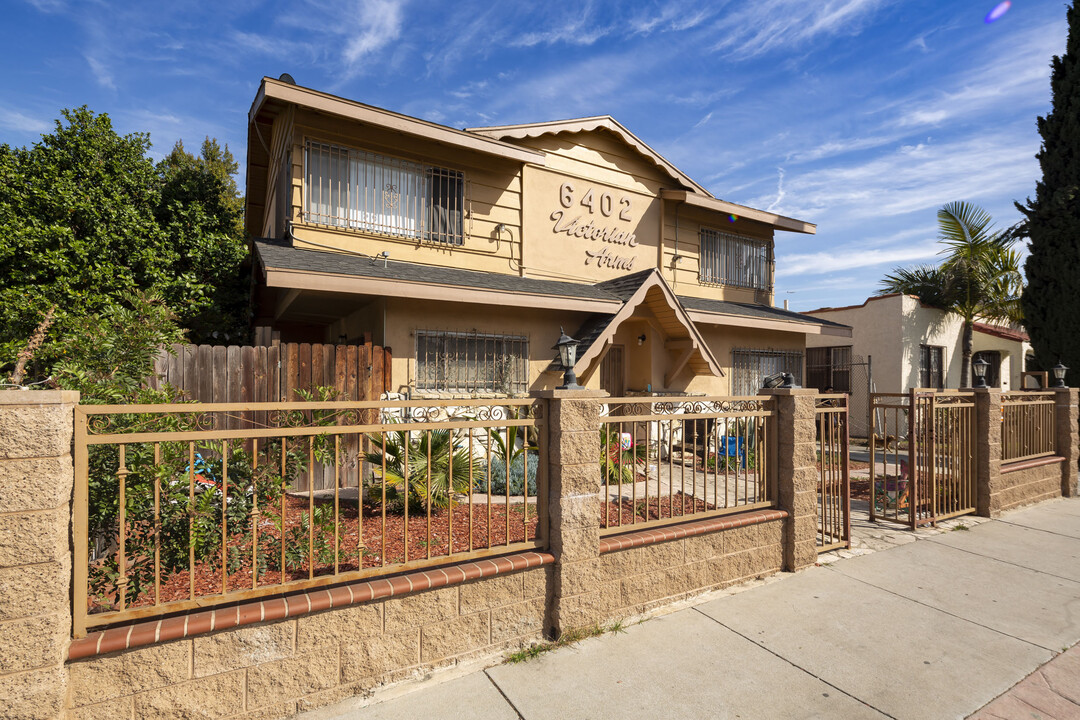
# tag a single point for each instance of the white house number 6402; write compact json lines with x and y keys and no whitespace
{"x":604,"y":203}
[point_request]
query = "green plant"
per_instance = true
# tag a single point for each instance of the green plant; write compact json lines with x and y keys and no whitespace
{"x":419,"y":465}
{"x":617,"y":465}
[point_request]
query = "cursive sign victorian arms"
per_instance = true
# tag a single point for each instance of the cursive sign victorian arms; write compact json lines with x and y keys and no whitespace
{"x":589,"y":228}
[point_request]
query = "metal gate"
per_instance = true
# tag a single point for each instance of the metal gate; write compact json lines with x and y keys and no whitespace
{"x":922,"y":454}
{"x":834,"y":488}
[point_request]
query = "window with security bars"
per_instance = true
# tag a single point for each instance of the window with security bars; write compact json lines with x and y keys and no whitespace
{"x":750,"y":367}
{"x":932,"y":366}
{"x":456,"y":362}
{"x":829,"y":367}
{"x":728,"y":259}
{"x":365,"y":191}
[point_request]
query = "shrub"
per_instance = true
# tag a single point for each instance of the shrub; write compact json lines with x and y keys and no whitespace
{"x":497,"y":475}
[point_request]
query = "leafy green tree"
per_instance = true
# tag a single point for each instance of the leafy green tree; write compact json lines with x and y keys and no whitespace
{"x":77,"y":227}
{"x":979,"y":277}
{"x":201,"y":213}
{"x":87,"y":222}
{"x":1051,"y":222}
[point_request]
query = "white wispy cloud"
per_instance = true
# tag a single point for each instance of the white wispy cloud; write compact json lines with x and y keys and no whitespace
{"x":20,"y":122}
{"x":702,"y":121}
{"x":101,"y":72}
{"x":913,"y":178}
{"x":851,"y":258}
{"x":768,"y":25}
{"x":779,"y":190}
{"x":378,"y":24}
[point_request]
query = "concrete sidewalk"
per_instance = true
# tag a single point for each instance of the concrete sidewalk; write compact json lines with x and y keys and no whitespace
{"x":937,"y":628}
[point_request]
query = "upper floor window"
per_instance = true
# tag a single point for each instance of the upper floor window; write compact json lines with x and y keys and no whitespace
{"x":728,"y":259}
{"x":380,"y":194}
{"x":932,"y":366}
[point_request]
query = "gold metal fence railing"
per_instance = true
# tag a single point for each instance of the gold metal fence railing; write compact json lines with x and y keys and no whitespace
{"x":187,"y":505}
{"x":666,"y":459}
{"x":834,"y":483}
{"x":1028,"y":429}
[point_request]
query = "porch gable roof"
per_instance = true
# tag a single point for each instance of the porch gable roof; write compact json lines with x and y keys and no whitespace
{"x":648,"y":288}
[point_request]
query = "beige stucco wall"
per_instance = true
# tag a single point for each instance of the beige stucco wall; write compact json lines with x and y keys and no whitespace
{"x":876,"y":332}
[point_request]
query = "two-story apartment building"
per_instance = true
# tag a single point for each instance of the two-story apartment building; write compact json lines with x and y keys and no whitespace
{"x":465,"y":251}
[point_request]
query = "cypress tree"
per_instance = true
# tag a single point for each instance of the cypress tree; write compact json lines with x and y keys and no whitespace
{"x":1051,"y":300}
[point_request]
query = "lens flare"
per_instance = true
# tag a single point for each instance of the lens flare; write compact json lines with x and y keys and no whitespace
{"x":1000,"y":9}
{"x":732,"y":218}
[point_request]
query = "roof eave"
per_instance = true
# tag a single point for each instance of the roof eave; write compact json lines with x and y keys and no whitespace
{"x":271,"y":89}
{"x":780,"y":222}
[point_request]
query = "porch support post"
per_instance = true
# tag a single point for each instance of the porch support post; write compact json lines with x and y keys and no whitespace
{"x":574,"y":484}
{"x":988,"y":451}
{"x":1068,"y":427}
{"x":796,"y":478}
{"x":36,"y":483}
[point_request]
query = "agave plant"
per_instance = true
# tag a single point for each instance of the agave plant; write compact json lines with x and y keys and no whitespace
{"x":419,"y":466}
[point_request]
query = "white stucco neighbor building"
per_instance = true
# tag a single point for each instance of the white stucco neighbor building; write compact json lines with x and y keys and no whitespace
{"x":912,"y":345}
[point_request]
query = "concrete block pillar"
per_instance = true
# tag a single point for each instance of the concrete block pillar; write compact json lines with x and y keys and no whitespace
{"x":574,"y":482}
{"x":988,"y":414}
{"x":1068,"y":438}
{"x":796,"y":473}
{"x":36,"y":482}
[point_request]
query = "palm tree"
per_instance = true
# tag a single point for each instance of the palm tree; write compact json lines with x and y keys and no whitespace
{"x":979,"y":277}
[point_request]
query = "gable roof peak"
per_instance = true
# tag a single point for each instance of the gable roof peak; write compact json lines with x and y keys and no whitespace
{"x":588,"y":124}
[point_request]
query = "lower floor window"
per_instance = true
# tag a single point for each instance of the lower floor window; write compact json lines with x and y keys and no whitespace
{"x":829,"y":369}
{"x":750,"y":367}
{"x":931,"y":366}
{"x":467,"y":362}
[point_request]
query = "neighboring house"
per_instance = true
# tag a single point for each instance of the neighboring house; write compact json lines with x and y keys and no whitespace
{"x":910,"y":345}
{"x":465,"y":251}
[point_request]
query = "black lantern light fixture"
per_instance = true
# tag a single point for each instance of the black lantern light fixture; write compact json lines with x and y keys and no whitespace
{"x":567,"y":347}
{"x":979,"y":367}
{"x":1059,"y":374}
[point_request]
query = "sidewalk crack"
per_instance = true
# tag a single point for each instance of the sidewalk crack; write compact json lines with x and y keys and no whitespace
{"x":795,"y":665}
{"x":504,"y":696}
{"x":946,"y":612}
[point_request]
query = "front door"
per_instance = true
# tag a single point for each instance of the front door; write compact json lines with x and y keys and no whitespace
{"x":613,"y":371}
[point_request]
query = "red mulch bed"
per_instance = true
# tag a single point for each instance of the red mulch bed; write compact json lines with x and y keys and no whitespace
{"x":424,"y":542}
{"x":662,"y":508}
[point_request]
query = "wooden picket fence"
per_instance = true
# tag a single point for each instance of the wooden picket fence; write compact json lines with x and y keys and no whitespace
{"x":247,"y":374}
{"x":243,"y":374}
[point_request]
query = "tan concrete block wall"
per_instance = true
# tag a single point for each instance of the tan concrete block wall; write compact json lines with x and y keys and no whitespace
{"x":36,"y":481}
{"x":1015,"y":489}
{"x":636,"y":581}
{"x":275,"y":670}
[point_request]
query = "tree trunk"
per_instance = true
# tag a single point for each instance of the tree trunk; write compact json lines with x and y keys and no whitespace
{"x":965,"y":352}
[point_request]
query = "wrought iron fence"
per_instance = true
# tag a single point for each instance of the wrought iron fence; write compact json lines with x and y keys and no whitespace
{"x":922,"y":453}
{"x":176,"y":507}
{"x":834,"y":486}
{"x":664,"y":459}
{"x":1028,"y":428}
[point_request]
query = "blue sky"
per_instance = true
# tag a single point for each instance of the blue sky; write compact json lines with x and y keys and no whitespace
{"x":863,"y":116}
